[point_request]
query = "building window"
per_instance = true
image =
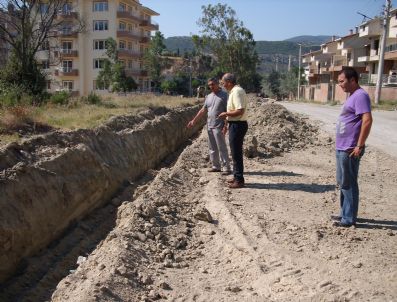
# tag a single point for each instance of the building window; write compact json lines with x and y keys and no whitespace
{"x":100,"y":6}
{"x":45,"y":45}
{"x":67,"y":8}
{"x":130,"y":64}
{"x":99,"y":44}
{"x":48,"y":85}
{"x":43,"y":8}
{"x":129,"y":45}
{"x":67,"y":66}
{"x":122,"y":26}
{"x":67,"y":85}
{"x":98,"y":63}
{"x":67,"y":47}
{"x":97,"y":86}
{"x":122,"y":44}
{"x":45,"y":64}
{"x":100,"y":25}
{"x":122,"y":7}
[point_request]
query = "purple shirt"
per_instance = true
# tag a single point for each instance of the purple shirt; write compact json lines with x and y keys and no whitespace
{"x":348,"y":126}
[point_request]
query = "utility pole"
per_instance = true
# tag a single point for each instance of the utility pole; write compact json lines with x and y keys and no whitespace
{"x":299,"y":70}
{"x":385,"y":26}
{"x":289,"y":63}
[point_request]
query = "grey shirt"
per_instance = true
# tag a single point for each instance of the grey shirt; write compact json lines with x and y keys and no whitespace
{"x":215,"y":105}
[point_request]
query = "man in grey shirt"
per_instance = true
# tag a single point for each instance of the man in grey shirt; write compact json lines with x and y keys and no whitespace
{"x":214,"y":104}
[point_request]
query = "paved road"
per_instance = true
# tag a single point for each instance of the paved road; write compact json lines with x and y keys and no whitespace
{"x":384,"y":128}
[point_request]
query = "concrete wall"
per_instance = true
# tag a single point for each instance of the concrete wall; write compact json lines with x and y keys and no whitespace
{"x":321,"y":93}
{"x":52,"y":180}
{"x":387,"y":93}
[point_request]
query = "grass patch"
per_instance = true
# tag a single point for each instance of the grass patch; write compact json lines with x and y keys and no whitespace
{"x":386,"y":105}
{"x":80,"y":113}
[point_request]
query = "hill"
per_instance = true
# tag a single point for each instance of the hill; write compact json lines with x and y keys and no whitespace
{"x":310,"y":40}
{"x":273,"y":54}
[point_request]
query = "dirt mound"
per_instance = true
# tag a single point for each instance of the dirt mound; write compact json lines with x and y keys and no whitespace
{"x":65,"y":176}
{"x":274,"y":130}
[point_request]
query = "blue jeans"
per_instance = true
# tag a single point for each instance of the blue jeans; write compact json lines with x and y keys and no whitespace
{"x":237,"y":131}
{"x":346,"y":177}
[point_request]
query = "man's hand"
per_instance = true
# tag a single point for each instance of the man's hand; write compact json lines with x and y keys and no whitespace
{"x":190,"y":124}
{"x":356,"y":152}
{"x":223,"y":115}
{"x":224,"y":130}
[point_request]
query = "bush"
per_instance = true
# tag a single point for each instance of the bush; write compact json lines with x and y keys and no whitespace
{"x":16,"y":117}
{"x":94,"y":99}
{"x":60,"y":98}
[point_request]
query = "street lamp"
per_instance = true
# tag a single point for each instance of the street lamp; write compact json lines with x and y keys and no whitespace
{"x":299,"y":69}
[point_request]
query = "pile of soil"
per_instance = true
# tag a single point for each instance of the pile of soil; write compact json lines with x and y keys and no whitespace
{"x":274,"y":130}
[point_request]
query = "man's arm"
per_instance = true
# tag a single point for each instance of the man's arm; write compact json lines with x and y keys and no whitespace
{"x":198,"y":116}
{"x":366,"y":123}
{"x":232,"y":113}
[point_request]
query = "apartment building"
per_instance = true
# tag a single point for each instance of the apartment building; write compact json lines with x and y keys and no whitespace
{"x":6,"y":21}
{"x":359,"y":49}
{"x":79,"y":55}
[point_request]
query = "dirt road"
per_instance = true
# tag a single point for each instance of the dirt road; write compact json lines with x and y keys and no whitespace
{"x":187,"y":237}
{"x":383,"y":133}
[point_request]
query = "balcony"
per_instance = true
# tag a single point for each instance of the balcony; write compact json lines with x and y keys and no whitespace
{"x":324,"y":70}
{"x":67,"y":15}
{"x":67,"y":53}
{"x":67,"y":33}
{"x":127,"y":15}
{"x":144,"y":40}
{"x":374,"y":58}
{"x":149,"y":25}
{"x":136,"y":73}
{"x":127,"y":34}
{"x":66,"y":72}
{"x":340,"y":61}
{"x":129,"y":53}
{"x":363,"y":59}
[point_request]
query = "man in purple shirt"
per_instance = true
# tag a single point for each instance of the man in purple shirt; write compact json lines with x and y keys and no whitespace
{"x":352,"y":130}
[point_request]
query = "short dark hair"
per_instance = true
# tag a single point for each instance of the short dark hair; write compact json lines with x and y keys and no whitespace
{"x":230,"y":78}
{"x":350,"y":73}
{"x":213,"y":80}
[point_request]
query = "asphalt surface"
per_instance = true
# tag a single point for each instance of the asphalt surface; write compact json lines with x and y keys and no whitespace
{"x":384,"y":128}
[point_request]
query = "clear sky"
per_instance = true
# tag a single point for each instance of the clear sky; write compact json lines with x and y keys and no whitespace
{"x":270,"y":20}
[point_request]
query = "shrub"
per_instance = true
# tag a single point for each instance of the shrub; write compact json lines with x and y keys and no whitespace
{"x":60,"y":98}
{"x":94,"y":99}
{"x":16,"y":117}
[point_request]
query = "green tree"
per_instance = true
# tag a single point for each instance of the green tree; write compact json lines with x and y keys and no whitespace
{"x":271,"y":85}
{"x":289,"y":82}
{"x":27,"y":26}
{"x":113,"y":75}
{"x":231,"y":43}
{"x":153,"y":59}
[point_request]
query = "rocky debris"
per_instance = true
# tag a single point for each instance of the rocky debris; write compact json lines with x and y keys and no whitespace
{"x":166,"y":244}
{"x":274,"y":130}
{"x":203,"y":214}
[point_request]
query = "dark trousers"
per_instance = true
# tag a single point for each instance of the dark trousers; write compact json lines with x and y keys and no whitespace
{"x":237,"y":131}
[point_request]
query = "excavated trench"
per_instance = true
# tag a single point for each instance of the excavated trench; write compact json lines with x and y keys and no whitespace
{"x":57,"y":191}
{"x":61,"y":192}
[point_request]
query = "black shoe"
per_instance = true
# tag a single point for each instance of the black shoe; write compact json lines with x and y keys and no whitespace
{"x":342,"y":225}
{"x":335,"y":218}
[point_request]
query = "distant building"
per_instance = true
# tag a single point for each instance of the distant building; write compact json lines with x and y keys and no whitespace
{"x":79,"y":55}
{"x":359,"y":49}
{"x":6,"y":22}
